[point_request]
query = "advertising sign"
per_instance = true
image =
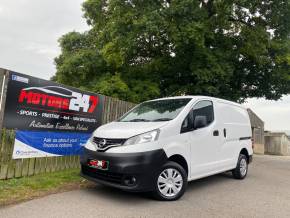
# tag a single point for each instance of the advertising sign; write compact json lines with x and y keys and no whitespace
{"x":29,"y":144}
{"x":50,"y":119}
{"x":41,"y":105}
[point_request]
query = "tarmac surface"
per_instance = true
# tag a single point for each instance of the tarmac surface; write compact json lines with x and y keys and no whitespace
{"x":264,"y":193}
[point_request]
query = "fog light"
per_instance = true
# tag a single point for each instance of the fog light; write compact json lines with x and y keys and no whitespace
{"x":130,"y":180}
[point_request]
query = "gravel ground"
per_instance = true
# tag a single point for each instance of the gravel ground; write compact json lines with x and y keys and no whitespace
{"x":264,"y":193}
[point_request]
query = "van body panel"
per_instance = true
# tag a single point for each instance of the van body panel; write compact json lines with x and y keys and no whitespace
{"x":235,"y":122}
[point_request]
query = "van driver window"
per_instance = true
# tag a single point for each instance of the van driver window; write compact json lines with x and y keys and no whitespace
{"x":203,"y":108}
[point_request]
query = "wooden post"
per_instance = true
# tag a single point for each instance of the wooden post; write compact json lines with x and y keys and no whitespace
{"x":4,"y":166}
{"x":4,"y":75}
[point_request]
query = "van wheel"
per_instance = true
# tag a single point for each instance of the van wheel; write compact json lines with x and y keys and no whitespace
{"x":241,"y":170}
{"x":170,"y":182}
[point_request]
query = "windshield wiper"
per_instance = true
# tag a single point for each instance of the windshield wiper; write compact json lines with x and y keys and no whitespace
{"x":138,"y":120}
{"x":162,"y":119}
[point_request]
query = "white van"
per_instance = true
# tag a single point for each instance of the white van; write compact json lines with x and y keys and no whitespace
{"x":162,"y":144}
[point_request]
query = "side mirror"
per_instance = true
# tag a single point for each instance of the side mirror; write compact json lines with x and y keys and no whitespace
{"x":200,"y":122}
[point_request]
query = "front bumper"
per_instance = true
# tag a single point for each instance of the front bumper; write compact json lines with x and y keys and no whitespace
{"x":143,"y":166}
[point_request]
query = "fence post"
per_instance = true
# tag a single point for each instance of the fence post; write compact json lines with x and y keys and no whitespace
{"x":4,"y":76}
{"x":4,"y":163}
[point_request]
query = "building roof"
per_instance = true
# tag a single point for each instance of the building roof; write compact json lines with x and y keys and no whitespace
{"x":256,"y":121}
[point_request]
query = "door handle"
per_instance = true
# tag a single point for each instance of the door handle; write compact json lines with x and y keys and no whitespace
{"x":216,"y":133}
{"x":225,"y":133}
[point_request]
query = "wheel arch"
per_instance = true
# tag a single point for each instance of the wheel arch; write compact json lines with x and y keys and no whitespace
{"x":177,"y":158}
{"x":245,"y":152}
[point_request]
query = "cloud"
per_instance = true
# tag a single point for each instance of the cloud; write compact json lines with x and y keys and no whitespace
{"x":29,"y":30}
{"x":41,"y":49}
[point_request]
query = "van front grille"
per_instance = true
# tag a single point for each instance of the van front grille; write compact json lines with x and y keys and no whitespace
{"x":104,"y":143}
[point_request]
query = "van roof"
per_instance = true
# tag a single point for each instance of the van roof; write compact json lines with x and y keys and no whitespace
{"x":196,"y":97}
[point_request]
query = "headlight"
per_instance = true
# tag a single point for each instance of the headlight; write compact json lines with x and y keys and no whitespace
{"x":143,"y":138}
{"x":90,"y":144}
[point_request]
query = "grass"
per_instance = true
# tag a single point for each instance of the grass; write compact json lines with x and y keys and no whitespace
{"x":25,"y":188}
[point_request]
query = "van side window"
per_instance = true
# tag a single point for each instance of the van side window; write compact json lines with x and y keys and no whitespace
{"x":203,"y":109}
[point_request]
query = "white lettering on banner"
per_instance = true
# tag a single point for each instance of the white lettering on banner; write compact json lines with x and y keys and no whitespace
{"x":59,"y":126}
{"x":64,"y":145}
{"x":47,"y":139}
{"x":82,"y":127}
{"x":65,"y":126}
{"x":40,"y":125}
{"x":20,"y":79}
{"x":80,"y":101}
{"x":28,"y":113}
{"x":49,"y":115}
{"x":83,"y":119}
{"x":63,"y":140}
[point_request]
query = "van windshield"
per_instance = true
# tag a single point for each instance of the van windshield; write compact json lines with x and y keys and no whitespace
{"x":156,"y":111}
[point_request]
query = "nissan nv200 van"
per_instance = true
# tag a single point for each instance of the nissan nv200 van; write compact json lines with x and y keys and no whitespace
{"x":161,"y":144}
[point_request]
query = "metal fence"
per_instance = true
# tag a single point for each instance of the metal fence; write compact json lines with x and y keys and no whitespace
{"x":10,"y":168}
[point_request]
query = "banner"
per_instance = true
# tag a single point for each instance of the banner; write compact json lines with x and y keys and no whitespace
{"x":41,"y":105}
{"x":50,"y":119}
{"x":29,"y":144}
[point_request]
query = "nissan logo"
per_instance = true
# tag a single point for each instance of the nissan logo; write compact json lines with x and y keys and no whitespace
{"x":102,"y":143}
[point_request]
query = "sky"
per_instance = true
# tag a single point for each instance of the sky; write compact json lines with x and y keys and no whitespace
{"x":29,"y":30}
{"x":275,"y":114}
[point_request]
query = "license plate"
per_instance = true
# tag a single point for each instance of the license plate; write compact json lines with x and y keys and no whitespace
{"x":99,"y":164}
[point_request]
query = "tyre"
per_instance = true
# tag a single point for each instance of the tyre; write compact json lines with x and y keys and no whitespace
{"x":170,"y":182}
{"x":241,"y":170}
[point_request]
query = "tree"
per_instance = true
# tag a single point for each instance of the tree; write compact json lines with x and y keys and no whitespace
{"x":142,"y":49}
